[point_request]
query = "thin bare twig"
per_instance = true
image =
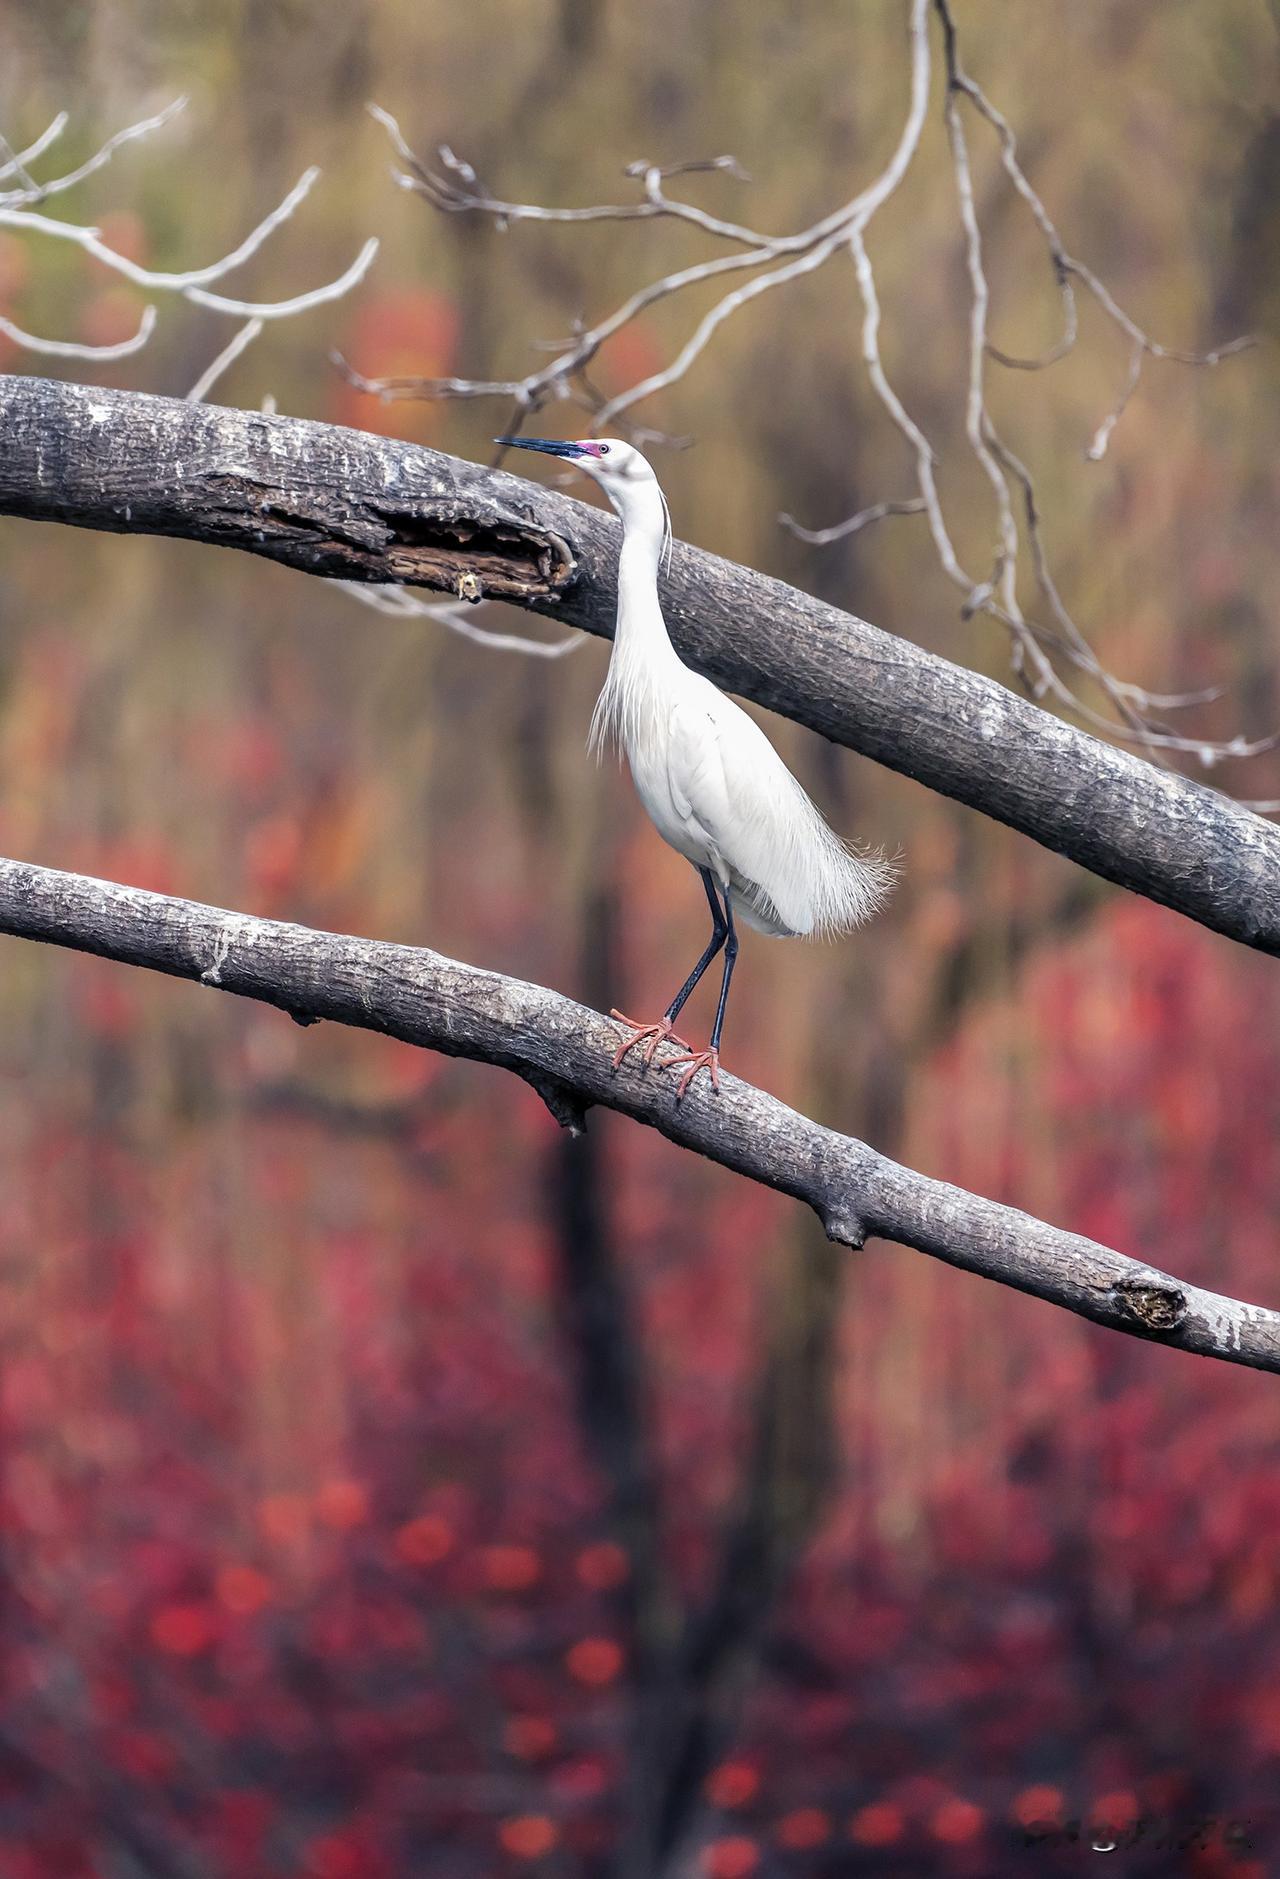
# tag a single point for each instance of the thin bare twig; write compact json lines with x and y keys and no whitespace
{"x":455,"y":189}
{"x":298,"y":303}
{"x":81,"y":349}
{"x":403,"y":605}
{"x":18,"y":210}
{"x":238,"y":342}
{"x":37,"y":192}
{"x":17,"y":161}
{"x":821,"y":537}
{"x":1102,"y":436}
{"x":1038,"y":646}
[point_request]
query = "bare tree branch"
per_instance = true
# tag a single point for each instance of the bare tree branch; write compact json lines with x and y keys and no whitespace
{"x":18,"y":209}
{"x":401,"y":605}
{"x":242,"y":338}
{"x":353,"y":506}
{"x":854,"y":524}
{"x":1039,"y":648}
{"x":17,"y":160}
{"x":37,"y":192}
{"x":456,"y":188}
{"x":564,"y":1051}
{"x":79,"y":349}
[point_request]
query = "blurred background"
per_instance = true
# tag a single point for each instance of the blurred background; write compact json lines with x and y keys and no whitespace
{"x":391,"y":1485}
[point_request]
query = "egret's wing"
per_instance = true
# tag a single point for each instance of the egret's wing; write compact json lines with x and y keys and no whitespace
{"x":694,"y":763}
{"x":730,"y":786}
{"x":793,"y":874}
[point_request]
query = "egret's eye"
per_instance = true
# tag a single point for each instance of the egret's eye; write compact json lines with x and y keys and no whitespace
{"x":604,"y":450}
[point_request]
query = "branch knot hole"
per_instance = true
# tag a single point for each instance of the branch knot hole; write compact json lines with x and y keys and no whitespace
{"x":1158,"y":1309}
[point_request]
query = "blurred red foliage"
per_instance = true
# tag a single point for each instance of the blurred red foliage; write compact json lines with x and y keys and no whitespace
{"x":318,"y":1582}
{"x":396,"y":332}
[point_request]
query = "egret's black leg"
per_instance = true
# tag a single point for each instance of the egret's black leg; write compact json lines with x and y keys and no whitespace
{"x":647,"y":1037}
{"x":691,"y":1061}
{"x":721,"y":933}
{"x":730,"y":959}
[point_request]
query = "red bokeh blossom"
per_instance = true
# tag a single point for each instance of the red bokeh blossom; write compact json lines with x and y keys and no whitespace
{"x":880,"y":1823}
{"x":734,"y":1857}
{"x":528,"y":1836}
{"x":594,"y":1661}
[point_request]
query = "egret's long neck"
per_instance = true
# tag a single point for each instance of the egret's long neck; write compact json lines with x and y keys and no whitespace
{"x":641,"y":633}
{"x":643,"y":660}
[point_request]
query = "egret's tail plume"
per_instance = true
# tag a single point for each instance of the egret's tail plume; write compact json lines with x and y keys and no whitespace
{"x":820,"y":886}
{"x":848,"y":888}
{"x":863,"y":882}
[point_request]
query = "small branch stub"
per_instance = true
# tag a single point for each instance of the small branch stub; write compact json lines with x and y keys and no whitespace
{"x":845,"y":1227}
{"x":564,"y":1103}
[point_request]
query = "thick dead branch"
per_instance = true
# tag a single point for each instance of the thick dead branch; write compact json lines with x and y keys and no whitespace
{"x":561,"y":1047}
{"x":311,"y":495}
{"x":339,"y":502}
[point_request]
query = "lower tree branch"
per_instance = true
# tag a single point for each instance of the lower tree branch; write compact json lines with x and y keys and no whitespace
{"x":343,"y":503}
{"x":564,"y":1051}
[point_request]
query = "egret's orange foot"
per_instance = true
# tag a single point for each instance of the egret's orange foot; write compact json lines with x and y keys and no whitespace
{"x":695,"y":1060}
{"x":659,"y":1033}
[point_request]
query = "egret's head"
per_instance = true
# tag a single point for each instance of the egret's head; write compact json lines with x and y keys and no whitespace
{"x":612,"y":462}
{"x":623,"y":474}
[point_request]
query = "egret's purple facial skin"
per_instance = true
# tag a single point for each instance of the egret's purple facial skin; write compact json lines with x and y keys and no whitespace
{"x":550,"y":446}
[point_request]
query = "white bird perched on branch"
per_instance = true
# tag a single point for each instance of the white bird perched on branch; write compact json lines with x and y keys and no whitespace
{"x":713,"y":785}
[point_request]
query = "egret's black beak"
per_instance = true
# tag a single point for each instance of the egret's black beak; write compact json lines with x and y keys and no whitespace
{"x":550,"y":446}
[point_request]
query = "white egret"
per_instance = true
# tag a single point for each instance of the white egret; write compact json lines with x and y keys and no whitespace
{"x":713,"y":785}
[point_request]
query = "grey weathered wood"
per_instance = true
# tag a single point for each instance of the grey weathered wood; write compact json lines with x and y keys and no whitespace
{"x":340,"y":502}
{"x":564,"y":1051}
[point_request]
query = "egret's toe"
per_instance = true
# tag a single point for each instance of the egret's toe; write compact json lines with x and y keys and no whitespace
{"x":692,"y":1061}
{"x":650,"y":1035}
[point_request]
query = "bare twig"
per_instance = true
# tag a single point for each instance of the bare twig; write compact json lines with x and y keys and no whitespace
{"x":18,"y":211}
{"x":79,"y":349}
{"x":37,"y":192}
{"x":17,"y":161}
{"x":397,"y":602}
{"x":1004,"y":578}
{"x":238,"y":342}
{"x":455,"y":189}
{"x":821,"y":537}
{"x":1039,"y":647}
{"x":1102,"y":436}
